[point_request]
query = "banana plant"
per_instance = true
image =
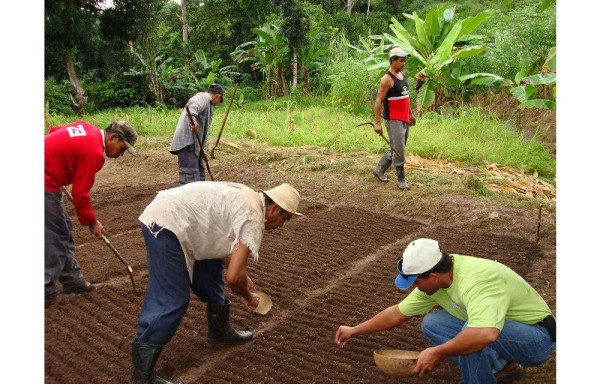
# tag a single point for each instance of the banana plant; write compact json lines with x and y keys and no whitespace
{"x":268,"y":53}
{"x":312,"y":56}
{"x":527,"y":93}
{"x":526,"y":84}
{"x":158,"y":71}
{"x":439,"y":43}
{"x":205,"y":72}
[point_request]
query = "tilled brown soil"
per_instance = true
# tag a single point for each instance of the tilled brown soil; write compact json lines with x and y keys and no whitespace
{"x":334,"y":266}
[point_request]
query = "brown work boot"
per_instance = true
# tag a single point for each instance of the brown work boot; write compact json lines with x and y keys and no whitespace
{"x":87,"y":287}
{"x":510,"y":372}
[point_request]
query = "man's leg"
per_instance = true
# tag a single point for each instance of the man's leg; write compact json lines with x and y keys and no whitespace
{"x":57,"y":239}
{"x":165,"y":304}
{"x":398,"y":134}
{"x":382,"y":166}
{"x":190,"y":169}
{"x":168,"y":292}
{"x":440,"y":326}
{"x":208,"y":282}
{"x":528,"y":345}
{"x":71,"y":277}
{"x":521,"y":343}
{"x":208,"y":285}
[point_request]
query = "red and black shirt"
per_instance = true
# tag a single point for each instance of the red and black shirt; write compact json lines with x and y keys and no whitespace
{"x":396,"y":105}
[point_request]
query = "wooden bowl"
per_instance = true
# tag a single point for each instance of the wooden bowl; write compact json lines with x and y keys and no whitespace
{"x":265,"y":303}
{"x":396,"y":362}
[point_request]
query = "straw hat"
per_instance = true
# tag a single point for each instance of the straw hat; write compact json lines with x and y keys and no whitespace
{"x":286,"y":197}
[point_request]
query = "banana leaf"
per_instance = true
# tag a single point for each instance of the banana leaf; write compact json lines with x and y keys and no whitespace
{"x":524,"y":92}
{"x":538,"y":103}
{"x":483,"y":78}
{"x":421,"y":34}
{"x":405,"y":45}
{"x":471,"y":23}
{"x":550,"y":63}
{"x":540,"y":79}
{"x":426,"y":95}
{"x":432,"y":26}
{"x":378,"y":66}
{"x":399,"y":30}
{"x":473,"y":50}
{"x":445,"y":49}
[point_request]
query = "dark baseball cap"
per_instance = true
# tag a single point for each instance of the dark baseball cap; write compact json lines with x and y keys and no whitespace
{"x":217,"y":88}
{"x":127,"y":133}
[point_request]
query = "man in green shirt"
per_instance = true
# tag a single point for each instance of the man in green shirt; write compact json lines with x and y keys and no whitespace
{"x":492,"y":322}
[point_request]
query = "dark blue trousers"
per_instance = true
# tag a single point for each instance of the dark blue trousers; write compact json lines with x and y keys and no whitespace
{"x":59,"y":247}
{"x":168,"y":292}
{"x":190,"y":167}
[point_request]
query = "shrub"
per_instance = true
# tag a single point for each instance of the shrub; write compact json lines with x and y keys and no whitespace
{"x":518,"y":37}
{"x":55,"y":95}
{"x":116,"y":92}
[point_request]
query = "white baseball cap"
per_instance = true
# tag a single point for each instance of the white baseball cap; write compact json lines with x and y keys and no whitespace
{"x":398,"y":52}
{"x":419,"y":256}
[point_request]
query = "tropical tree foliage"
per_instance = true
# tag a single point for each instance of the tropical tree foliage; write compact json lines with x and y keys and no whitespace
{"x":268,"y":54}
{"x":70,"y":29}
{"x":538,"y":90}
{"x":134,"y":52}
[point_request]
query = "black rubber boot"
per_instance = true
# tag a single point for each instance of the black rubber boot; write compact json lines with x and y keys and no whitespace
{"x":382,"y":166}
{"x":402,"y":184}
{"x":144,"y":357}
{"x":220,"y":332}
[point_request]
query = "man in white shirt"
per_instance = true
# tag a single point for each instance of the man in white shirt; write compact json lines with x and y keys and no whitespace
{"x":192,"y":233}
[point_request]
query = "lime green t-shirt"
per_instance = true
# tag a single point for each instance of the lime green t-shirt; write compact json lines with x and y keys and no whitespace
{"x":484,"y":293}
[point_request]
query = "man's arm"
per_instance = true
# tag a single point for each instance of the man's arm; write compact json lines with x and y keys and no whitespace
{"x":388,"y":318}
{"x":83,"y":181}
{"x":469,"y":340}
{"x":236,"y":276}
{"x":198,"y":109}
{"x":384,"y":86}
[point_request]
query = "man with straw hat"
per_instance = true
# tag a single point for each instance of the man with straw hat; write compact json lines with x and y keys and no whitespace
{"x":193,"y":234}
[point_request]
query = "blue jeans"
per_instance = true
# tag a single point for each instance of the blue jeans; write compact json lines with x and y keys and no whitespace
{"x":168,"y":292}
{"x":525,"y":344}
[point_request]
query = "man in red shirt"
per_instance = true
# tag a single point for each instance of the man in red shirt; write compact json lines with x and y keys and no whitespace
{"x":393,"y":96}
{"x":73,"y":154}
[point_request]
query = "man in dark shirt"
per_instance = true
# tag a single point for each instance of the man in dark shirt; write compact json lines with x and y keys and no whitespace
{"x":393,"y":97}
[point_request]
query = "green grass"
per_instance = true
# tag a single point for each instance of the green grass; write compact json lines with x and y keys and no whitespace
{"x":467,"y":135}
{"x":472,"y":136}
